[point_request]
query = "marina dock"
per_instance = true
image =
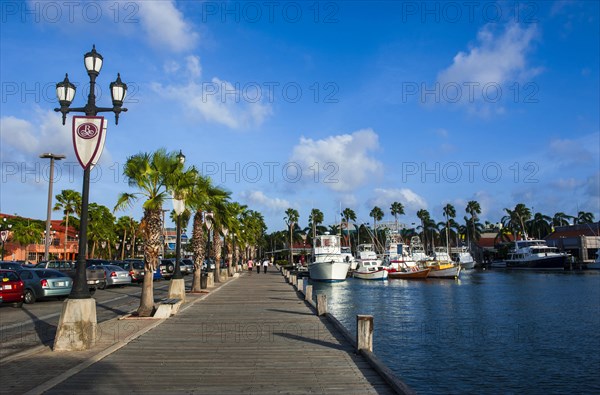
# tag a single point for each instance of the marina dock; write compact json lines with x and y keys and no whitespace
{"x":252,"y":335}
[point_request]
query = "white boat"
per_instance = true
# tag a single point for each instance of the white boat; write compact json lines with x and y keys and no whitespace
{"x":370,"y":270}
{"x":535,"y":254}
{"x":327,"y":263}
{"x":347,"y":256}
{"x":443,"y":266}
{"x":463,"y":257}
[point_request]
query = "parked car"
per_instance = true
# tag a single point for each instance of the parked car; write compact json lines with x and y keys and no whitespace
{"x":208,"y":264}
{"x":167,"y":267}
{"x":95,"y":278}
{"x":135,"y":267}
{"x":11,"y":288}
{"x":45,"y":283}
{"x":189,"y":263}
{"x":10,"y":265}
{"x":115,"y":275}
{"x":157,"y":273}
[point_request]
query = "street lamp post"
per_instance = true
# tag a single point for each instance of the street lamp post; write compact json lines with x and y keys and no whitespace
{"x":4,"y":233}
{"x":208,"y":218}
{"x":52,"y":158}
{"x":83,"y":314}
{"x":177,"y":285}
{"x":65,"y":91}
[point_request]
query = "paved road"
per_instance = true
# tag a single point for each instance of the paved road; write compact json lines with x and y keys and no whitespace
{"x":35,"y":324}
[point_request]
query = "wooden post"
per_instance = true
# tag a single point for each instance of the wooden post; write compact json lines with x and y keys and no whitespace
{"x":300,"y":285}
{"x":293,"y":279}
{"x":364,"y":332}
{"x":308,"y":293}
{"x":321,"y":304}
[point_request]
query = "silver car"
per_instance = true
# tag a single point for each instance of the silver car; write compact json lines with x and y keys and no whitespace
{"x":115,"y":275}
{"x":45,"y":283}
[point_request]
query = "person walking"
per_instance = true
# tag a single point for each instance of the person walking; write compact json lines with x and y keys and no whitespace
{"x":250,"y":265}
{"x":258,"y":266}
{"x":265,"y":264}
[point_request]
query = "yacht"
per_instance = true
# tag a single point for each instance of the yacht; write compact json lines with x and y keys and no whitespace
{"x":535,"y":254}
{"x":327,"y":262}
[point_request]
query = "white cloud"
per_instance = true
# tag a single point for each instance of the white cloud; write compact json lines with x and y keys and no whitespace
{"x":344,"y":161}
{"x":384,"y":198}
{"x":26,"y":139}
{"x":497,"y":60}
{"x":165,"y":26}
{"x":258,"y":198}
{"x":217,"y":101}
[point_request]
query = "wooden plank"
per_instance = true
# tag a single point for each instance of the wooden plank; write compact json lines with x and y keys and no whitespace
{"x":255,"y":336}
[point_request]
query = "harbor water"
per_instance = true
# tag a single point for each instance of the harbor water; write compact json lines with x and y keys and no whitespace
{"x":493,"y":331}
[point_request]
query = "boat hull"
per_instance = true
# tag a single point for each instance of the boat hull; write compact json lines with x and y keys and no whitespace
{"x":371,"y":275}
{"x":328,"y":271}
{"x":417,"y":274}
{"x":444,"y":272}
{"x":549,"y":263}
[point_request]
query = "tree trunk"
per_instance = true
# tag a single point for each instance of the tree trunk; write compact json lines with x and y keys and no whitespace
{"x":123,"y":243}
{"x":152,"y":232}
{"x":93,"y":249}
{"x":217,"y":246}
{"x":230,"y":268}
{"x":198,"y":244}
{"x":66,"y":236}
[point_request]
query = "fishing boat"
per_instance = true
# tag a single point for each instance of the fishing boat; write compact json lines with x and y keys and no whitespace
{"x":409,"y":273}
{"x":370,"y":270}
{"x":535,"y":255}
{"x":327,"y":263}
{"x":443,"y":269}
{"x":442,"y":266}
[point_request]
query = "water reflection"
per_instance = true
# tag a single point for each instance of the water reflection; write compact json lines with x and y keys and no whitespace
{"x":522,"y":331}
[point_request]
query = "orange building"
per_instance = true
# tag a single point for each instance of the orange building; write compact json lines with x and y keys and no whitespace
{"x":61,"y":247}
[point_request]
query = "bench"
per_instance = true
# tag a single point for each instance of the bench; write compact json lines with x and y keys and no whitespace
{"x":167,"y":308}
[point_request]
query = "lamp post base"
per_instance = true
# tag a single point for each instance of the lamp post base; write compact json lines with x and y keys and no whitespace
{"x":77,"y":327}
{"x":177,"y":289}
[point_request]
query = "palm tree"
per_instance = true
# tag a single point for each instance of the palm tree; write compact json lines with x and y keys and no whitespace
{"x":100,"y":227}
{"x":449,"y":213}
{"x":377,"y":215}
{"x":149,"y":173}
{"x":202,"y":199}
{"x":348,"y":215}
{"x":561,"y":219}
{"x":397,"y":209}
{"x":127,"y":226}
{"x":584,"y":218}
{"x":424,"y":216}
{"x":515,"y":220}
{"x":315,"y":219}
{"x":26,"y":234}
{"x":540,"y":225}
{"x":291,"y":218}
{"x":69,"y":202}
{"x":473,"y":208}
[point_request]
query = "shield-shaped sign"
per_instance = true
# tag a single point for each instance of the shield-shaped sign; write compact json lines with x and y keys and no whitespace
{"x":4,"y":235}
{"x":102,"y":139}
{"x":88,"y":139}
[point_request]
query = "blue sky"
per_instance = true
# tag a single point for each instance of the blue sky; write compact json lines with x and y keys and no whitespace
{"x":317,"y":104}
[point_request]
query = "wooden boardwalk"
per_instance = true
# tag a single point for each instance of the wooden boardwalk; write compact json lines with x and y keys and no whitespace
{"x":252,"y":336}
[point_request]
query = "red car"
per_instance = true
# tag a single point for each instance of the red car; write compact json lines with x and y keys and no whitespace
{"x":12,"y":288}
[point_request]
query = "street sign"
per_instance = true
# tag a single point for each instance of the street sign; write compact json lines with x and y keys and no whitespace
{"x":4,"y":235}
{"x":88,"y":139}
